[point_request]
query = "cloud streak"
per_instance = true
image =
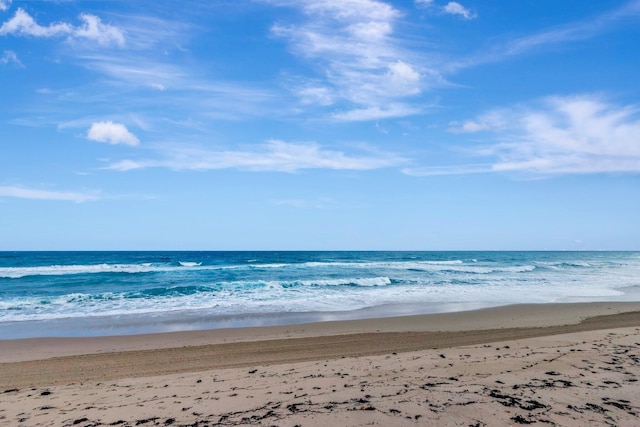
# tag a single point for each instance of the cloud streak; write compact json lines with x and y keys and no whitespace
{"x":34,"y":194}
{"x":376,"y":112}
{"x":9,"y":56}
{"x":273,"y":156}
{"x":561,"y":135}
{"x":574,"y":32}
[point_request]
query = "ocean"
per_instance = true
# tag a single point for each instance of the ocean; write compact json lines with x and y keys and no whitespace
{"x":47,"y":294}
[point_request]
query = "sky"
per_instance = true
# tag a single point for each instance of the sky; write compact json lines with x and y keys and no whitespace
{"x":320,"y":125}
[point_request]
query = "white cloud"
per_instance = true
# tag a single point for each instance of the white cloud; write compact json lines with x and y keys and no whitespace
{"x":273,"y":156}
{"x":347,"y":9}
{"x":22,"y":24}
{"x":580,"y":134}
{"x":5,"y":4}
{"x":94,"y":29}
{"x":455,"y":8}
{"x":373,"y":113}
{"x":370,"y":30}
{"x":113,"y":133}
{"x":403,"y":79}
{"x":352,"y":42}
{"x":27,"y":193}
{"x":9,"y":56}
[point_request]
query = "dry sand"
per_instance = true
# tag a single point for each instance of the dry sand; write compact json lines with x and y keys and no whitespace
{"x":569,"y":364}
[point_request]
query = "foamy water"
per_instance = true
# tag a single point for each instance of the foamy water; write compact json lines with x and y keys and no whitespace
{"x":89,"y":293}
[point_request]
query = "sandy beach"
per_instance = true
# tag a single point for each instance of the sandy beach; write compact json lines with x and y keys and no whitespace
{"x":555,"y":364}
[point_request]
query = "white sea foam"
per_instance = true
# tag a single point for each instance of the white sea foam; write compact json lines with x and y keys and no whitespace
{"x":368,"y":281}
{"x":381,"y":264}
{"x":60,"y":270}
{"x":428,"y":266}
{"x":188,"y":288}
{"x":347,"y":294}
{"x":263,"y":266}
{"x":473,"y":269}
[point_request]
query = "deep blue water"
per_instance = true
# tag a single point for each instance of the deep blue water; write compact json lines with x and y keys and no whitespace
{"x":103,"y":293}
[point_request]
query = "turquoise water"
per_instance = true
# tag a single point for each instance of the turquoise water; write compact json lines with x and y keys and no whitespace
{"x":107,"y":293}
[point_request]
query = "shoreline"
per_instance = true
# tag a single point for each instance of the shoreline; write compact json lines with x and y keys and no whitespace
{"x":499,"y":317}
{"x":289,"y":343}
{"x":559,"y":364}
{"x":192,"y":321}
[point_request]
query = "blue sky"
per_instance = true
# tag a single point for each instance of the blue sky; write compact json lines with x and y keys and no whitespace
{"x":320,"y":124}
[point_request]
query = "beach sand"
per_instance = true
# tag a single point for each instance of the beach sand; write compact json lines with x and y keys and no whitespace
{"x":555,"y":364}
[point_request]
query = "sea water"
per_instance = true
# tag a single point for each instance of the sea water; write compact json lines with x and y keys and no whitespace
{"x":114,"y":293}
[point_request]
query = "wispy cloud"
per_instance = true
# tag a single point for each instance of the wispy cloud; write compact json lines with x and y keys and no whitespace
{"x":560,"y":135}
{"x":9,"y":56}
{"x":493,"y":120}
{"x":127,"y":68}
{"x":92,"y":28}
{"x":273,"y":156}
{"x":112,"y":133}
{"x":448,"y":170}
{"x":451,"y":8}
{"x":573,"y":32}
{"x":152,"y":73}
{"x":5,"y":4}
{"x":376,"y":112}
{"x":318,"y":203}
{"x":35,"y":194}
{"x":151,"y":34}
{"x":455,"y":8}
{"x":150,"y":70}
{"x":362,"y":64}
